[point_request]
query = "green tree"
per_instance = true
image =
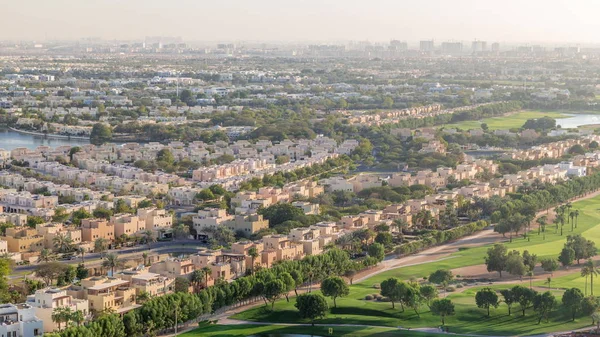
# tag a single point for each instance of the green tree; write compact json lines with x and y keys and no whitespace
{"x":288,"y":282}
{"x":496,"y":258}
{"x":182,"y":285}
{"x":486,"y":298}
{"x":79,"y":215}
{"x":515,"y":265}
{"x":524,"y":296}
{"x":112,"y":261}
{"x":311,"y":306}
{"x":101,"y":133}
{"x":100,"y":245}
{"x":443,"y":308}
{"x":572,"y":299}
{"x":543,"y":304}
{"x":334,"y":287}
{"x":384,"y":238}
{"x":509,"y":299}
{"x":428,"y":293}
{"x":377,"y":251}
{"x":549,"y":265}
{"x":392,"y":289}
{"x":273,"y":291}
{"x":205,"y":195}
{"x":50,"y":271}
{"x":253,"y":253}
{"x":280,"y":213}
{"x":567,"y":256}
{"x":441,"y":277}
{"x":81,"y":272}
{"x":33,"y":220}
{"x":591,"y":270}
{"x":530,"y":260}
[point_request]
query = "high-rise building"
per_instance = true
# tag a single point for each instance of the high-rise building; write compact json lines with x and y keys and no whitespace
{"x":495,"y":47}
{"x":426,"y":45}
{"x":397,"y":45}
{"x":478,"y":46}
{"x":452,"y":47}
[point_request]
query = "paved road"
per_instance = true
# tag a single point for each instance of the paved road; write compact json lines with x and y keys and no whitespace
{"x":161,"y":247}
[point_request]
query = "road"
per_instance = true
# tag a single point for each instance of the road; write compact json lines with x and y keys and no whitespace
{"x":161,"y":247}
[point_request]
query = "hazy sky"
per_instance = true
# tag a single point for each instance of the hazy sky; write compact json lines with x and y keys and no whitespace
{"x":304,"y":20}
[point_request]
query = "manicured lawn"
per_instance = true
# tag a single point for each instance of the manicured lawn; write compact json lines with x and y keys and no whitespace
{"x":468,"y":319}
{"x":270,"y":330}
{"x":506,"y":122}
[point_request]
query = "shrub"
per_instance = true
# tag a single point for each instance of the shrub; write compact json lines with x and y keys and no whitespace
{"x":450,"y":289}
{"x":377,"y":286}
{"x":369,"y":298}
{"x":460,"y":285}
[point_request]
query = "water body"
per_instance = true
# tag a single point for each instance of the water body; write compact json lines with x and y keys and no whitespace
{"x":574,"y":121}
{"x":10,"y":139}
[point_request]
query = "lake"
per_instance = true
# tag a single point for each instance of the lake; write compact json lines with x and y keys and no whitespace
{"x":574,"y":121}
{"x":10,"y":140}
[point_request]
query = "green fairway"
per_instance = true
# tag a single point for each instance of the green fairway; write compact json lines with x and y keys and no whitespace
{"x":506,"y":122}
{"x":354,"y":309}
{"x":280,"y":330}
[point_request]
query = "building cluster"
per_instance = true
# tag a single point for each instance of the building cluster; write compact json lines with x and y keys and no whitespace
{"x":550,"y":150}
{"x":394,"y":116}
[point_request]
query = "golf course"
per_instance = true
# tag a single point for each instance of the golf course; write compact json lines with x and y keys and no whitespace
{"x":355,"y":309}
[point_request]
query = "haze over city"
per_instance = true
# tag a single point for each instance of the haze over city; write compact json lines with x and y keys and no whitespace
{"x":304,"y":20}
{"x":280,"y":168}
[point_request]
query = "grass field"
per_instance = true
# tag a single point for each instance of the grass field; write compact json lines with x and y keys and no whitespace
{"x":506,"y":122}
{"x":468,"y":319}
{"x":280,"y":330}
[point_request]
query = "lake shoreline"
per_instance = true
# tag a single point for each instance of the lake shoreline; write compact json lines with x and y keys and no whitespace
{"x":47,"y":135}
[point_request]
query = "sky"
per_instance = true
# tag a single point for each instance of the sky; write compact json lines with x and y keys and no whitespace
{"x":304,"y":20}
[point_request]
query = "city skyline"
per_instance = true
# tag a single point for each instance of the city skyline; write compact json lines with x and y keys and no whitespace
{"x":554,"y":21}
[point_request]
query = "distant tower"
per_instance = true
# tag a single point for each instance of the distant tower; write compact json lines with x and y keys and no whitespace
{"x":426,"y":45}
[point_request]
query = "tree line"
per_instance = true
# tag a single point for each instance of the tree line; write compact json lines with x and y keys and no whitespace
{"x":162,"y":313}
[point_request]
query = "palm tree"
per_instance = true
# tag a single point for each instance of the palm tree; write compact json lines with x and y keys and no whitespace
{"x":400,"y":225}
{"x":45,"y":256}
{"x":542,"y":225}
{"x":530,"y":274}
{"x":63,"y":243}
{"x":548,"y":281}
{"x":81,"y":251}
{"x":585,"y":272}
{"x":207,"y":272}
{"x":145,"y":256}
{"x":78,"y":317}
{"x":112,"y":261}
{"x":253,"y":253}
{"x":593,"y":270}
{"x":100,"y":245}
{"x":576,"y":216}
{"x":572,"y":216}
{"x":148,"y":237}
{"x":57,"y":316}
{"x":143,"y":297}
{"x":556,"y":221}
{"x":197,"y":278}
